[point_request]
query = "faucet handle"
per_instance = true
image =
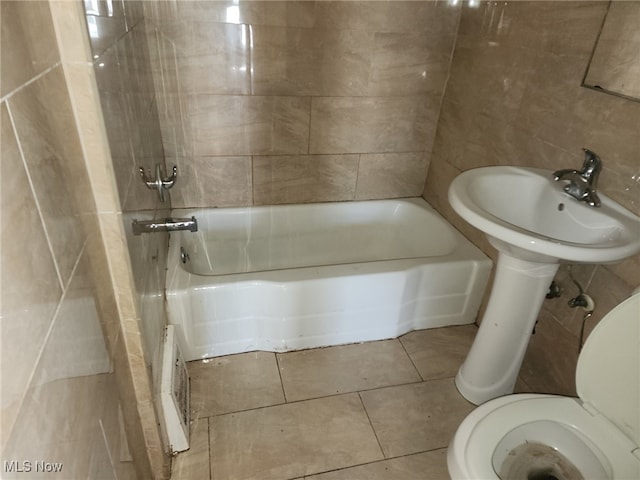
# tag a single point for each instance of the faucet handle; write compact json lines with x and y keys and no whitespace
{"x":592,"y":163}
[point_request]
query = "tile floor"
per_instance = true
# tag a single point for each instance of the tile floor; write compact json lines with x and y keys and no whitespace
{"x":382,"y":410}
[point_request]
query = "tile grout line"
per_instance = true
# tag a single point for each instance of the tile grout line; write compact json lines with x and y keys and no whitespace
{"x":41,"y":217}
{"x":411,"y":359}
{"x":364,"y":408}
{"x":386,"y":459}
{"x":284,"y":394}
{"x":291,"y":402}
{"x":209,"y":448}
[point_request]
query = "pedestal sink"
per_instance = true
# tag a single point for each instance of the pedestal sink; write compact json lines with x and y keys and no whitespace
{"x":534,"y":226}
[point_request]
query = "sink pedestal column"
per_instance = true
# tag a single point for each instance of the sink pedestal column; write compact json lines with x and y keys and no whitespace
{"x":492,"y":365}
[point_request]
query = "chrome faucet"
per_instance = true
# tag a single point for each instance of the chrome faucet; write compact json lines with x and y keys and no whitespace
{"x":583,"y":183}
{"x":165,"y":225}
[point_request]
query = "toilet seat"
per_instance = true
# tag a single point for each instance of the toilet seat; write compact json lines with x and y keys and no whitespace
{"x":599,"y":432}
{"x":472,"y":450}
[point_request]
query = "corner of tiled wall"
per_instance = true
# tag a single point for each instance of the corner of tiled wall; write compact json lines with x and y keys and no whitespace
{"x":514,"y":96}
{"x":299,"y":101}
{"x":60,"y":317}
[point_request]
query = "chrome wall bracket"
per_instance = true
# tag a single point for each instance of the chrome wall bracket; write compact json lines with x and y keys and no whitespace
{"x":160,"y":184}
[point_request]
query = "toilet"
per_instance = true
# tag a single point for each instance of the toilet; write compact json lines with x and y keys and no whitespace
{"x":549,"y":437}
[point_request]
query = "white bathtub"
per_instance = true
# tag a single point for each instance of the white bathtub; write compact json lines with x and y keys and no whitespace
{"x":288,"y":277}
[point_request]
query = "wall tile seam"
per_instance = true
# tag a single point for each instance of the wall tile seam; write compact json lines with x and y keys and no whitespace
{"x":97,"y":56}
{"x":159,"y":23}
{"x":357,"y":179}
{"x":45,"y":340}
{"x":105,"y":439}
{"x":311,"y":96}
{"x":316,"y":154}
{"x":558,"y":321}
{"x":309,"y":129}
{"x":608,"y":268}
{"x":33,"y":79}
{"x":35,"y":196}
{"x":443,"y":95}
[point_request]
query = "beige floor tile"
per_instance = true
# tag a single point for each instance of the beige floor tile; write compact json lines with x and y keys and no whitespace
{"x":292,"y":440}
{"x":420,"y":466}
{"x":417,"y":417}
{"x":439,"y":352}
{"x":347,"y":368}
{"x":234,"y":383}
{"x":193,"y":464}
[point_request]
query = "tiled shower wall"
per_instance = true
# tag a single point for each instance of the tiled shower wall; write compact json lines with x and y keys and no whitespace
{"x":58,"y":393}
{"x":291,"y":102}
{"x":74,"y":389}
{"x":122,"y":65}
{"x":514,"y":98}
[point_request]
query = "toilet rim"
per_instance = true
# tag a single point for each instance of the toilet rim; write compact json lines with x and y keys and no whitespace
{"x":480,"y":433}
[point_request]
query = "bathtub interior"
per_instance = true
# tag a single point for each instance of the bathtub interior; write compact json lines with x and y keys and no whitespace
{"x":327,"y":303}
{"x":255,"y":239}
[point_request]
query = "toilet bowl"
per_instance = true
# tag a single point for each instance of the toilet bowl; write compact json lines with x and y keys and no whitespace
{"x":536,"y":437}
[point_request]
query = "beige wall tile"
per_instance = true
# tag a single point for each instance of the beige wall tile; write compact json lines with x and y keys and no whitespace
{"x":368,"y":124}
{"x":28,"y":42}
{"x":608,"y":290}
{"x":62,"y":432}
{"x":205,"y":181}
{"x":287,"y":61}
{"x":549,"y":365}
{"x":75,"y":344}
{"x":304,"y":178}
{"x":241,"y":125}
{"x":393,"y":16}
{"x":389,"y":175}
{"x":380,"y":52}
{"x":410,"y":63}
{"x":45,"y":128}
{"x":276,"y":13}
{"x":209,"y":57}
{"x":31,"y":288}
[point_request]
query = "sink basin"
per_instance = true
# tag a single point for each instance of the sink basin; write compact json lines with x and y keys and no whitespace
{"x":525,"y":209}
{"x":534,"y":225}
